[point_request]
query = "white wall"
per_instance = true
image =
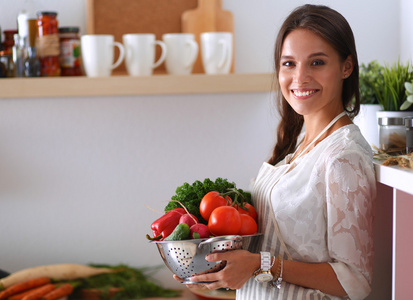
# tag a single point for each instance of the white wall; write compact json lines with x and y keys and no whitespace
{"x":406,"y":30}
{"x":381,"y":27}
{"x":76,"y":174}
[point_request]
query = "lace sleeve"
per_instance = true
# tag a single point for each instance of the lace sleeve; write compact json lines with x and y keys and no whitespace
{"x":350,"y":194}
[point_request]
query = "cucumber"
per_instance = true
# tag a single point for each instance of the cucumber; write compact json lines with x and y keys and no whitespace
{"x":181,"y":232}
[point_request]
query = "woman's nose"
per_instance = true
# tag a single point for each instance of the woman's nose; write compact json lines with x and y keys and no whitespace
{"x":301,"y":74}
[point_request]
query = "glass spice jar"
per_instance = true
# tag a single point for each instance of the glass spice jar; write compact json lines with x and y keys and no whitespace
{"x":9,"y":40}
{"x":408,"y":122}
{"x":47,"y":43}
{"x":69,"y":51}
{"x":392,"y":134}
{"x":6,"y":63}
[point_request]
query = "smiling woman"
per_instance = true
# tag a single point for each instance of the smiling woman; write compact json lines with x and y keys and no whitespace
{"x":314,"y":201}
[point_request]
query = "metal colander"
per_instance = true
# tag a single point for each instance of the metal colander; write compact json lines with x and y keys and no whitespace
{"x":187,"y":257}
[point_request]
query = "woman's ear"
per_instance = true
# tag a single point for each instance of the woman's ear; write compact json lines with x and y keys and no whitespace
{"x":348,"y":66}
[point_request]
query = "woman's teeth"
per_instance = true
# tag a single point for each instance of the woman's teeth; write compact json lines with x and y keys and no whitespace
{"x":301,"y":94}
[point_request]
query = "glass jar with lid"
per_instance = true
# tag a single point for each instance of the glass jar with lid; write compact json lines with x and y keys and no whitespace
{"x":47,"y":43}
{"x":69,"y":51}
{"x":392,"y":134}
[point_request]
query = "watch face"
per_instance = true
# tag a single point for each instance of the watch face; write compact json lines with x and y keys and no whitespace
{"x":263,"y":277}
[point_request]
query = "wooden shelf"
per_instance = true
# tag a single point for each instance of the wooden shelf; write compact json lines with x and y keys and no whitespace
{"x":124,"y":85}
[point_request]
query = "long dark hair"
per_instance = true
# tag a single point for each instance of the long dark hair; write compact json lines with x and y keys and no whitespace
{"x":332,"y":27}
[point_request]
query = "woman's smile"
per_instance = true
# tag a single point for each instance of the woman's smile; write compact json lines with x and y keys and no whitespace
{"x":303,"y":94}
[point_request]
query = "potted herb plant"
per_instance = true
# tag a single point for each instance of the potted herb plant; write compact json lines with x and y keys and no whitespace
{"x":392,"y":94}
{"x":370,"y":75}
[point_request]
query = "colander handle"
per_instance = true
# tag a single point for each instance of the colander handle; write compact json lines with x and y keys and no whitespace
{"x":236,"y":238}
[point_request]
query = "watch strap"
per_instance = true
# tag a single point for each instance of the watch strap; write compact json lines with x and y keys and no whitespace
{"x":265,"y":261}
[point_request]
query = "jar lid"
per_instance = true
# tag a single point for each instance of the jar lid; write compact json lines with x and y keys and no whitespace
{"x":5,"y":54}
{"x":10,"y":31}
{"x":46,"y":13}
{"x":69,"y":30}
{"x":408,"y":122}
{"x":386,"y":121}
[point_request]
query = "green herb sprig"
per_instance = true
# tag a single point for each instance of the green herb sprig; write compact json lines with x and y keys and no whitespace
{"x":133,"y":283}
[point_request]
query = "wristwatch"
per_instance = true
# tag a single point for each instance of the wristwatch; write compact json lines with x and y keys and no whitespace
{"x":264,"y":273}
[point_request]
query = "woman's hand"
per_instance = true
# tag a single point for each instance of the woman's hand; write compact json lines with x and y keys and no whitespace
{"x":240,"y":266}
{"x":189,"y":286}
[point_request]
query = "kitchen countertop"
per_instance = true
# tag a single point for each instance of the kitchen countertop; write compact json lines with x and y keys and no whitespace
{"x":186,"y":295}
{"x":394,"y":176}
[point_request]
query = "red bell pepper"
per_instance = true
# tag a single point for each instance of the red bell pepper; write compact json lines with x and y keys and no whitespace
{"x":167,"y":223}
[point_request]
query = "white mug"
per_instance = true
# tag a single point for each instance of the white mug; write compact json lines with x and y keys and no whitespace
{"x":98,"y":54}
{"x":140,"y":53}
{"x":216,"y":52}
{"x":182,"y":51}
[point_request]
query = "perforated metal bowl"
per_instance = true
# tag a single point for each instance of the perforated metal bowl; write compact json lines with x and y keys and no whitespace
{"x":187,"y":257}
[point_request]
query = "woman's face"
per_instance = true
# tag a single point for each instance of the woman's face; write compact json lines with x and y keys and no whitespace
{"x":311,"y":73}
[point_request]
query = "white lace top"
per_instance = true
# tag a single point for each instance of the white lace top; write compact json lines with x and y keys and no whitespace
{"x":324,"y":209}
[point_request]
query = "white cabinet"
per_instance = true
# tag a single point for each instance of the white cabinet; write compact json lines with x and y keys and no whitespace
{"x":393,"y":233}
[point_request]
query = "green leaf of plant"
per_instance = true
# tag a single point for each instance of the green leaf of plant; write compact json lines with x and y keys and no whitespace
{"x":405,"y":105}
{"x":408,"y":86}
{"x":410,"y":98}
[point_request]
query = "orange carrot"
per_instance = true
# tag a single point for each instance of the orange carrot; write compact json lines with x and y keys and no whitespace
{"x":23,"y":286}
{"x":38,"y":294}
{"x":60,"y":291}
{"x":21,"y":295}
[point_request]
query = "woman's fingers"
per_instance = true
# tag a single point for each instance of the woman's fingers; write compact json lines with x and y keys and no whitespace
{"x":177,"y":278}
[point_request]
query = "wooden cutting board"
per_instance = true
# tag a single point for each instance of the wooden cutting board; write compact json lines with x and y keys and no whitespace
{"x":207,"y":17}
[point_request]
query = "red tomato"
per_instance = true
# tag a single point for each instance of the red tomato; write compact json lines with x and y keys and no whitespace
{"x":224,"y":220}
{"x":248,"y":225}
{"x":211,"y":201}
{"x":249,"y":210}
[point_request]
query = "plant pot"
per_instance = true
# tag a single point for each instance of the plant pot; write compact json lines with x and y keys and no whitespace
{"x":392,"y":131}
{"x":366,"y":120}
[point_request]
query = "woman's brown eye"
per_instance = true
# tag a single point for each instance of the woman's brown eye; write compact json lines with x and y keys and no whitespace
{"x":318,"y":63}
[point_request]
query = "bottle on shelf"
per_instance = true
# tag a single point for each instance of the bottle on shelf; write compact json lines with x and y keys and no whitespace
{"x":1,"y":42}
{"x":3,"y":71}
{"x":47,"y":43}
{"x":18,"y":56}
{"x":32,"y":66}
{"x":22,"y":24}
{"x":6,"y":57}
{"x":9,"y":40}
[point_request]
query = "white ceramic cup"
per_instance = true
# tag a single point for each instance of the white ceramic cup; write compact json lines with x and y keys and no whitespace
{"x":140,"y":53}
{"x":216,"y":52}
{"x":182,"y":51}
{"x":98,"y":54}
